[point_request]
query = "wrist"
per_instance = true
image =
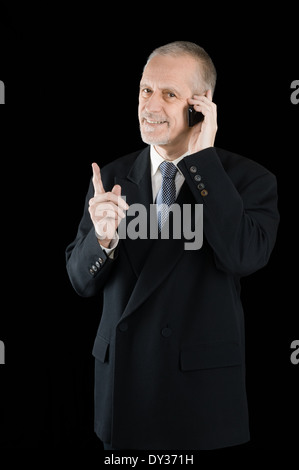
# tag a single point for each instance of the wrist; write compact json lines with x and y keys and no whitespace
{"x":105,"y":242}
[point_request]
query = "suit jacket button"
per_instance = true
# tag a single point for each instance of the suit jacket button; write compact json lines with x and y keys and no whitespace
{"x":204,"y":192}
{"x":193,"y":169}
{"x":101,"y":261}
{"x":123,"y":327}
{"x":166,"y":332}
{"x":200,"y":186}
{"x":91,"y":271}
{"x":197,"y":178}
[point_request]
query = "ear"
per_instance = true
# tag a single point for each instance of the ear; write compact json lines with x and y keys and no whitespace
{"x":208,"y":94}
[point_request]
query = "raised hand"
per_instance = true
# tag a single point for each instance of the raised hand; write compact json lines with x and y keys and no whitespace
{"x":106,"y":208}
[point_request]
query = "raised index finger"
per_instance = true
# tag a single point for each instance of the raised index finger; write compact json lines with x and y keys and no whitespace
{"x":97,"y":180}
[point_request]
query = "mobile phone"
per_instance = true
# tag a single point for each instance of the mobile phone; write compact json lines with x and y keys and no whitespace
{"x":194,"y":117}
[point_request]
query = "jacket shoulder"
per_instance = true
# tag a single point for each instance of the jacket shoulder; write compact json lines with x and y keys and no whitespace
{"x":234,"y":163}
{"x":238,"y":167}
{"x":122,"y":164}
{"x":119,"y":167}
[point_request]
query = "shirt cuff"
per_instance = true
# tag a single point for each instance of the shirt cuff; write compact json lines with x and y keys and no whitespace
{"x":113,"y":244}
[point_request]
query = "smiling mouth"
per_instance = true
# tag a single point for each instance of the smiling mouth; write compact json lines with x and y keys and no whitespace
{"x":150,"y":121}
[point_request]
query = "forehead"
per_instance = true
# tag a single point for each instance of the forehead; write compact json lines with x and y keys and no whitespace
{"x":167,"y":71}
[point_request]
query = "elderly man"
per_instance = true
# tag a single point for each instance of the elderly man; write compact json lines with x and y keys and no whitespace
{"x":170,"y":351}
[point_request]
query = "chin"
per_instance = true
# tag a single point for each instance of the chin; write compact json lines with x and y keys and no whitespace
{"x":154,"y":140}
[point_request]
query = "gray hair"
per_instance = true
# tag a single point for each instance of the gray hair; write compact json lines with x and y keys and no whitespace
{"x":207,"y":71}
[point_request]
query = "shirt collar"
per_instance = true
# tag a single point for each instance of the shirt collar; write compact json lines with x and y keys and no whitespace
{"x":156,"y":160}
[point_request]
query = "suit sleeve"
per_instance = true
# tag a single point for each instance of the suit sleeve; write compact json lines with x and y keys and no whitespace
{"x":87,"y":264}
{"x":240,"y":216}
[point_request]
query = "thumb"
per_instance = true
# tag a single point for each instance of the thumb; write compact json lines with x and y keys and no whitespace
{"x":121,"y":200}
{"x":116,"y":190}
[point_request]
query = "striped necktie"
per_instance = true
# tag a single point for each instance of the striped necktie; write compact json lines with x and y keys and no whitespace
{"x":167,"y":193}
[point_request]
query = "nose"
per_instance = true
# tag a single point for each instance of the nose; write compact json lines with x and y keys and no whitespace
{"x":154,"y":103}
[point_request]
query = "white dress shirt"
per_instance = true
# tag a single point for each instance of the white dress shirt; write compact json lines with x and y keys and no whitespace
{"x":156,"y":177}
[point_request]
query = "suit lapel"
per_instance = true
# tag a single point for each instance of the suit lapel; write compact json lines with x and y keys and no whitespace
{"x":151,"y":260}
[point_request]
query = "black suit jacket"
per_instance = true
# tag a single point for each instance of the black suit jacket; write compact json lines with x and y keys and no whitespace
{"x":170,"y":351}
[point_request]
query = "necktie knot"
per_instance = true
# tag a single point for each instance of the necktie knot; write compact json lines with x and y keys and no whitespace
{"x":168,"y":170}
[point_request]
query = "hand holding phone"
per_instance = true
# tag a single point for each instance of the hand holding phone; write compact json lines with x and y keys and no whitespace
{"x":201,"y":109}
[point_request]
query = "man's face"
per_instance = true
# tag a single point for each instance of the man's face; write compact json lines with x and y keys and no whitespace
{"x":166,"y":84}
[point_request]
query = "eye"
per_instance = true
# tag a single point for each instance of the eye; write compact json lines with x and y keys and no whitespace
{"x":146,"y":91}
{"x":169,"y":95}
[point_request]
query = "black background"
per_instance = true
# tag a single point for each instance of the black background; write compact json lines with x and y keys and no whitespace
{"x":71,"y":77}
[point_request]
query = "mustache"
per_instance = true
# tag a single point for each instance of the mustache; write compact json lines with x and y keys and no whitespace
{"x":154,"y":117}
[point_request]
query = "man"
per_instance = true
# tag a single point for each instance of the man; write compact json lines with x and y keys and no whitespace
{"x":169,"y":351}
